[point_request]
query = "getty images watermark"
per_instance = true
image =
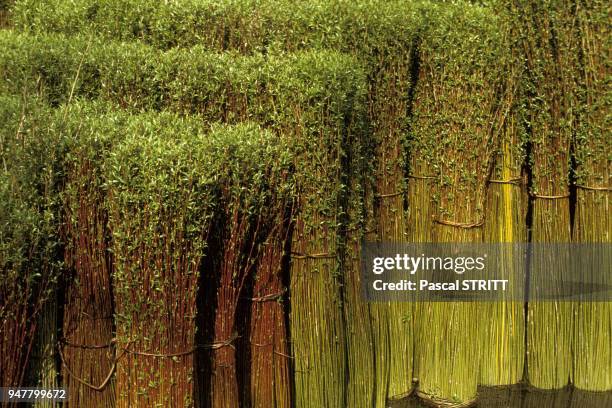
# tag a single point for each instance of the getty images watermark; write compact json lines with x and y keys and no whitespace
{"x":486,"y":272}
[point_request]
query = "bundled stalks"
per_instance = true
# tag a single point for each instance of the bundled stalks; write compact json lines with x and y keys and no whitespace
{"x":253,"y":192}
{"x":316,"y":99}
{"x":87,"y":336}
{"x":326,"y":137}
{"x":459,"y":111}
{"x":381,"y":36}
{"x":550,"y":41}
{"x":269,"y":348}
{"x":592,"y":220}
{"x":503,"y":346}
{"x":161,"y":197}
{"x":28,"y":241}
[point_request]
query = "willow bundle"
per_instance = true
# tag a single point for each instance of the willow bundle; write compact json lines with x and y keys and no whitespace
{"x":503,"y":346}
{"x":550,"y":39}
{"x":27,"y":240}
{"x":269,"y":349}
{"x":161,"y":197}
{"x":592,"y":220}
{"x":268,"y":354}
{"x":88,"y":325}
{"x":422,"y":201}
{"x":458,"y":110}
{"x":327,"y":141}
{"x":256,"y":167}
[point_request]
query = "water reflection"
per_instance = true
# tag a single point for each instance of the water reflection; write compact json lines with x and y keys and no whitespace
{"x":521,"y":396}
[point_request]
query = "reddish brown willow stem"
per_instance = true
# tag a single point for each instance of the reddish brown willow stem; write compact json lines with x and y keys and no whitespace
{"x":269,"y":351}
{"x":88,"y":313}
{"x":17,"y":334}
{"x":236,"y":264}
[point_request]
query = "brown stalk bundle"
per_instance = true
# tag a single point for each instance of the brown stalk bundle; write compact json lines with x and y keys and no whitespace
{"x":457,"y":123}
{"x":592,"y":357}
{"x":161,"y":195}
{"x":253,"y":198}
{"x":269,"y":350}
{"x":88,"y":309}
{"x":550,"y":40}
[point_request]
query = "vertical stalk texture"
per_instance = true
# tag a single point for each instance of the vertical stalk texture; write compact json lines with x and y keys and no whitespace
{"x":549,"y":46}
{"x":456,"y":126}
{"x":392,"y":321}
{"x":592,"y":357}
{"x":88,"y":311}
{"x":503,"y":346}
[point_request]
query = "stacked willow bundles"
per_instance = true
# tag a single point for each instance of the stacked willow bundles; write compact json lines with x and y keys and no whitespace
{"x":315,"y":98}
{"x":458,"y":110}
{"x":550,"y":41}
{"x":503,"y":346}
{"x":27,"y":238}
{"x":88,"y":306}
{"x":161,"y":197}
{"x":381,"y":36}
{"x":310,"y":98}
{"x":592,"y":220}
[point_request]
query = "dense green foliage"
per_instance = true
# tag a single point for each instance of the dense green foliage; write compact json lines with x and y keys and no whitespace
{"x":247,"y":26}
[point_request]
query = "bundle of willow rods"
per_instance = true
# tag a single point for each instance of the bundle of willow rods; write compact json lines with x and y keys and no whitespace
{"x":88,"y":307}
{"x":269,"y":350}
{"x":503,"y":345}
{"x":253,"y":176}
{"x":161,"y":196}
{"x":550,"y":42}
{"x":592,"y":220}
{"x":459,"y":109}
{"x":27,"y":239}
